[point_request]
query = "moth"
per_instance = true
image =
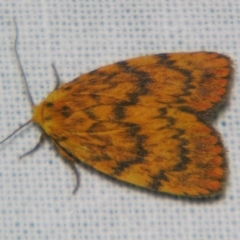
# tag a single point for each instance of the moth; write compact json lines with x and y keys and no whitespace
{"x":145,"y":121}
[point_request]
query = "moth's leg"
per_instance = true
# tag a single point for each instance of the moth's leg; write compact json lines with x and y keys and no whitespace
{"x":70,"y":159}
{"x":57,"y":77}
{"x":41,"y":139}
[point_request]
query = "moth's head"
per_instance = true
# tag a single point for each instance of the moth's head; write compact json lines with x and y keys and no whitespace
{"x":38,"y":116}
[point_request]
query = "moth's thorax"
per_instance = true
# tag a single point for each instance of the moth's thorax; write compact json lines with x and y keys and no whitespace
{"x":45,"y":114}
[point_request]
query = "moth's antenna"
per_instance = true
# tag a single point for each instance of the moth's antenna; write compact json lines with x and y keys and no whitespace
{"x":20,"y":65}
{"x":57,"y":76}
{"x":25,"y":81}
{"x":22,"y":126}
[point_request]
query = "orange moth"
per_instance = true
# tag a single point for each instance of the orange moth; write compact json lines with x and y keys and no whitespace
{"x":144,"y":121}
